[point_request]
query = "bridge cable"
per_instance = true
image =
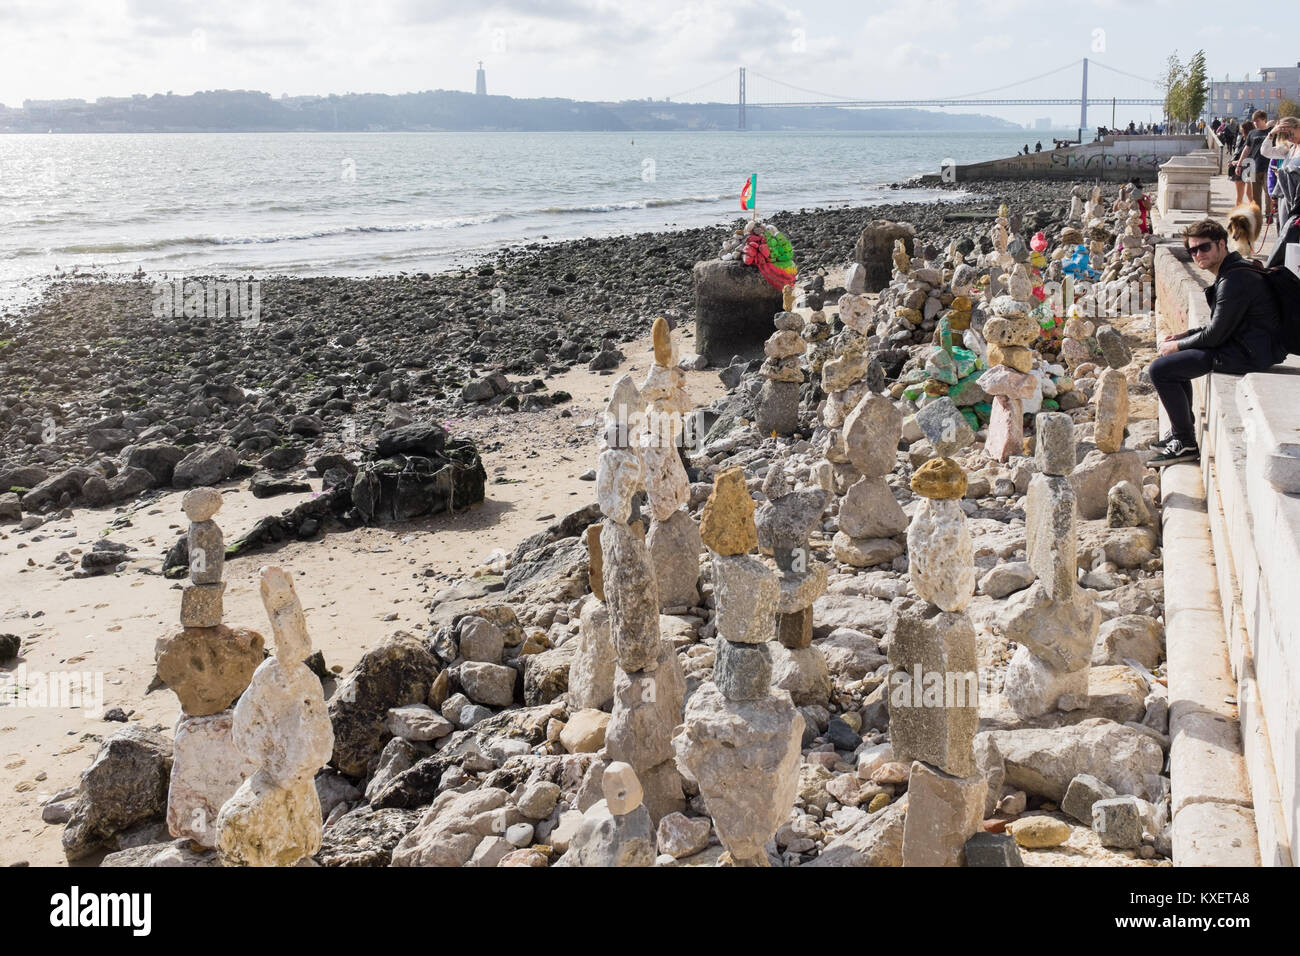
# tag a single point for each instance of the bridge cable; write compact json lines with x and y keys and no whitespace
{"x":834,"y":96}
{"x":717,"y":79}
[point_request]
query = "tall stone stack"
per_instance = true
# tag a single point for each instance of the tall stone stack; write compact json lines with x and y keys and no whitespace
{"x":281,"y":725}
{"x":674,"y":538}
{"x":870,"y":517}
{"x":848,"y":375}
{"x":648,"y":682}
{"x":1054,"y":621}
{"x":207,"y":665}
{"x":740,"y":740}
{"x":934,"y":690}
{"x":782,"y":372}
{"x":784,"y":523}
{"x":1009,"y":334}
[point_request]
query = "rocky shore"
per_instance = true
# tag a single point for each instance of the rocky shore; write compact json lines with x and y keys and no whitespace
{"x":551,"y":710}
{"x":331,"y":363}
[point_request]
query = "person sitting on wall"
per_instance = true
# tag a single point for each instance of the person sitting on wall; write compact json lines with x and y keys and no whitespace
{"x":1244,"y":335}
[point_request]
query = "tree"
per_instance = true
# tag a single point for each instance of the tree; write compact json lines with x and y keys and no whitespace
{"x":1174,"y":84}
{"x":1288,"y":108}
{"x":1196,"y":88}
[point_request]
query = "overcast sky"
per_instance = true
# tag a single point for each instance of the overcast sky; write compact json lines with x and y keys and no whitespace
{"x":600,"y":49}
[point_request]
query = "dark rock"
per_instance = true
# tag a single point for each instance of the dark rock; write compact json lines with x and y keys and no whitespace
{"x":266,"y":485}
{"x":10,"y":644}
{"x":607,"y":359}
{"x":126,"y":784}
{"x":283,"y":458}
{"x":993,"y":849}
{"x":365,"y":837}
{"x":207,"y":466}
{"x":397,"y":672}
{"x":734,"y":306}
{"x":842,"y":735}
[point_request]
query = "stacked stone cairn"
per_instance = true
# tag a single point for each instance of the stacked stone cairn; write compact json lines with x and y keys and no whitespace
{"x":934,"y":686}
{"x":778,"y":399}
{"x":870,"y":518}
{"x":1054,"y":621}
{"x":784,"y":523}
{"x":1009,"y":334}
{"x":207,"y":665}
{"x":847,"y":377}
{"x":648,"y":682}
{"x":282,"y":727}
{"x":740,"y":740}
{"x":674,"y":537}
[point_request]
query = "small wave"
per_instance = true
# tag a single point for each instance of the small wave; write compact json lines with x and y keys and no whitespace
{"x":633,"y":204}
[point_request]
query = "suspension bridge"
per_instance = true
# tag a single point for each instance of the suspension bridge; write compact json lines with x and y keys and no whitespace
{"x":778,"y":94}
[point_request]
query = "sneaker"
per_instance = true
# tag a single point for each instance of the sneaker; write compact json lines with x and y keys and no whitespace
{"x":1175,"y":452}
{"x":1160,"y":443}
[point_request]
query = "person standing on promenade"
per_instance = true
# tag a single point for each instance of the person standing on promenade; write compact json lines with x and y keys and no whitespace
{"x":1244,"y":335}
{"x":1252,"y":154}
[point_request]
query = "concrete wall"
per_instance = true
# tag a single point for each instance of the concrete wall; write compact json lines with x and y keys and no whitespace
{"x":1115,"y":159}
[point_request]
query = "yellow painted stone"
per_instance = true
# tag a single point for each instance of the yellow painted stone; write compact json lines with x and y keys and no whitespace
{"x":959,"y":321}
{"x":961,"y":303}
{"x":663,"y":342}
{"x":878,"y":802}
{"x":1014,"y":356}
{"x":939,"y":478}
{"x":1036,"y":832}
{"x":787,"y":297}
{"x":727,"y":521}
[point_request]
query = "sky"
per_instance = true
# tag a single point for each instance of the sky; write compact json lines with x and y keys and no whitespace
{"x":606,"y":50}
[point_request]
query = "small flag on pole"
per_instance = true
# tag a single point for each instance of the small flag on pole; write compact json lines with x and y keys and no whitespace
{"x":749,"y":193}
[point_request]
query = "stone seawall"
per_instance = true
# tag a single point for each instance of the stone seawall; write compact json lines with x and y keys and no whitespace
{"x":1113,"y":159}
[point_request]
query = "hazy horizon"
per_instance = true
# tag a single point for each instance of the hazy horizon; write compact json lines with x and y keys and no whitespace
{"x":600,"y":51}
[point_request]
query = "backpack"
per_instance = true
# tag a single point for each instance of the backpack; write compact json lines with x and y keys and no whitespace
{"x":1285,"y":286}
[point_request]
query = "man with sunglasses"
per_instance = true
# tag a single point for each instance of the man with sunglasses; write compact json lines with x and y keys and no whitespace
{"x":1244,"y":335}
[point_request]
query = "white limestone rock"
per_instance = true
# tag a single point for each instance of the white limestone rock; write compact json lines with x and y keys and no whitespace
{"x":745,"y":757}
{"x":207,"y":769}
{"x":940,"y":554}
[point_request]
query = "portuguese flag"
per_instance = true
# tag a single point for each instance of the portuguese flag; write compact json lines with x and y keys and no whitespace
{"x":749,"y":192}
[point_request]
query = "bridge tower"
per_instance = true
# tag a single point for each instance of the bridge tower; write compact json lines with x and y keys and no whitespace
{"x":741,"y":118}
{"x":1083,"y":106}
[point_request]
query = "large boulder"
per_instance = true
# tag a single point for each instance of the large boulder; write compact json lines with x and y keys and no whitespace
{"x":209,"y":465}
{"x":734,"y":306}
{"x":158,"y":458}
{"x":397,"y":672}
{"x":126,"y":785}
{"x":1042,"y":762}
{"x":51,"y":491}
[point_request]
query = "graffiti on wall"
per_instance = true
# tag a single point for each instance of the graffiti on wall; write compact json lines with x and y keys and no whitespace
{"x":1072,"y":160}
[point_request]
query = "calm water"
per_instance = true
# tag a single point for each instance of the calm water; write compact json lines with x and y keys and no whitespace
{"x":367,"y":203}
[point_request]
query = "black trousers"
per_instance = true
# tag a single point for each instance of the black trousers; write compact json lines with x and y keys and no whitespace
{"x":1172,"y":377}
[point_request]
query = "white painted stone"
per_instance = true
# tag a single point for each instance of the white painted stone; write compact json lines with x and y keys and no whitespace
{"x":940,"y":554}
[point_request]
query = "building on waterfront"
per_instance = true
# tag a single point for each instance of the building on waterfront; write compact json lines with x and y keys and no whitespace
{"x":1243,"y":97}
{"x":480,"y":80}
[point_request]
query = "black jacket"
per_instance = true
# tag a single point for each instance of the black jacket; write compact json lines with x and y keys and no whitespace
{"x":1245,"y":330}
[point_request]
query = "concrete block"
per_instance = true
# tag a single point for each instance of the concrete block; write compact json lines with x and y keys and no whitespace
{"x":1215,"y":834}
{"x":1205,"y":760}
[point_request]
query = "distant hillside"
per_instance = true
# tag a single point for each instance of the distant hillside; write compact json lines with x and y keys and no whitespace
{"x":253,"y":111}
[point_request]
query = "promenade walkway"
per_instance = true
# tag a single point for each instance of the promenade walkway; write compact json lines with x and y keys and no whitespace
{"x":1231,"y":529}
